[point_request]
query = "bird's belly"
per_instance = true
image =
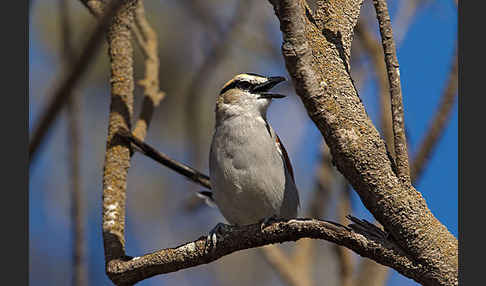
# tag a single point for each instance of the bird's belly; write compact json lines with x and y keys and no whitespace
{"x":243,"y":204}
{"x":248,"y":177}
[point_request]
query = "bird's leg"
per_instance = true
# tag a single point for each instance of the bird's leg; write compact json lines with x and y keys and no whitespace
{"x":212,"y":238}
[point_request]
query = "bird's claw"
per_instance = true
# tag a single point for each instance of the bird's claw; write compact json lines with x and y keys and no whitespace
{"x":268,"y":221}
{"x":212,"y":238}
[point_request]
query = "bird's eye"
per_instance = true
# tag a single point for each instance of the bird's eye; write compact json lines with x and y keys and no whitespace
{"x":244,"y":85}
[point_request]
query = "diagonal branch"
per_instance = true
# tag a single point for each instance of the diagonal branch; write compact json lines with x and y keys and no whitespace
{"x":64,"y":91}
{"x":398,"y":121}
{"x":438,"y":124}
{"x":316,"y":50}
{"x":375,"y":51}
{"x":188,"y":172}
{"x":76,"y":215}
{"x":127,"y":271}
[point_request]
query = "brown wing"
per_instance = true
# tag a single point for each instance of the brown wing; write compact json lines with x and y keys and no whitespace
{"x":285,"y":156}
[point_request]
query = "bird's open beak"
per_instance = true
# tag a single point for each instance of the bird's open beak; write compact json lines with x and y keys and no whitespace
{"x":266,"y":86}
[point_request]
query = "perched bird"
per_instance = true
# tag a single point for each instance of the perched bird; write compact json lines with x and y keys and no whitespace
{"x":250,"y":172}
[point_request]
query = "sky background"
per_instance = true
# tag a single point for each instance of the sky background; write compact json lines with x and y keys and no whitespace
{"x":155,"y":195}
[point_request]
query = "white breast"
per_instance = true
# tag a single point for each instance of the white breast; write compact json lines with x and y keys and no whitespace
{"x":248,"y":176}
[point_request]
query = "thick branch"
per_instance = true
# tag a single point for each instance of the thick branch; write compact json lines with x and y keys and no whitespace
{"x":117,"y":158}
{"x":128,"y":271}
{"x":398,"y":121}
{"x":64,"y":91}
{"x":375,"y":51}
{"x":316,"y":51}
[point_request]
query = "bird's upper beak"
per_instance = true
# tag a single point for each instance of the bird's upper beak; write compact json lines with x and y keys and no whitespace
{"x":266,"y":86}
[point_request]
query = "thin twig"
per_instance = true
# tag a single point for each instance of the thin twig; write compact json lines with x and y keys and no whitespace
{"x":400,"y":141}
{"x":148,"y":42}
{"x":188,"y":172}
{"x":95,"y":7}
{"x":438,"y":124}
{"x":72,"y":78}
{"x":77,"y":215}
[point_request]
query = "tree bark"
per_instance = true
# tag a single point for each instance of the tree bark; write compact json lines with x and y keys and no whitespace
{"x":316,"y":51}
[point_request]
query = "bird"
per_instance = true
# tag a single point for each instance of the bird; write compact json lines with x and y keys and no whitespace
{"x":252,"y":179}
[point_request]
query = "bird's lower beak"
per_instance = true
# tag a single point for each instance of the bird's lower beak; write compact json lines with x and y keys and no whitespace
{"x":271,"y":95}
{"x":266,"y":86}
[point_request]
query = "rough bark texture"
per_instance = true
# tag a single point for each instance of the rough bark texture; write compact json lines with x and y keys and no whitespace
{"x":127,"y":271}
{"x":316,"y":50}
{"x":392,"y":67}
{"x":375,"y":51}
{"x":117,"y":158}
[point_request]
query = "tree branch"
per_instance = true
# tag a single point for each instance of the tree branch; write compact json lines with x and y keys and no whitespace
{"x":375,"y":51}
{"x":398,"y":121}
{"x":117,"y":158}
{"x":148,"y":42}
{"x":64,"y":91}
{"x":127,"y":271}
{"x":188,"y":172}
{"x":76,"y":216}
{"x":438,"y":124}
{"x":316,"y":49}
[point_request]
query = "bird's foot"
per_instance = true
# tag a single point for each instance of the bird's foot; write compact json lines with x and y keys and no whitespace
{"x":215,"y":235}
{"x":268,"y":221}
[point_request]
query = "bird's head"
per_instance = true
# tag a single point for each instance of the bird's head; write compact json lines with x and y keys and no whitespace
{"x":247,"y":93}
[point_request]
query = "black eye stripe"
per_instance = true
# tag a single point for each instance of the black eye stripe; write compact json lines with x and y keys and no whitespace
{"x":244,"y":85}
